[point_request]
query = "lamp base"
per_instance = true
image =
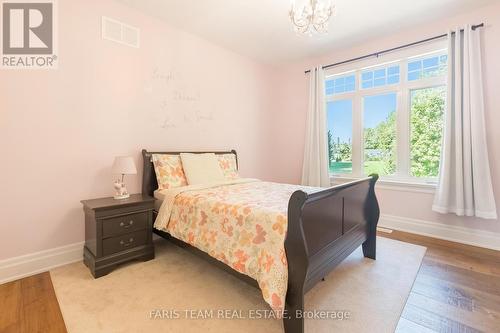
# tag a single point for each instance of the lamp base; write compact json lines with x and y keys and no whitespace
{"x":120,"y":190}
{"x":120,"y":197}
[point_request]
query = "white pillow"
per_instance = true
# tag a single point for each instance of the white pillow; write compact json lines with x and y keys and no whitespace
{"x":201,"y":168}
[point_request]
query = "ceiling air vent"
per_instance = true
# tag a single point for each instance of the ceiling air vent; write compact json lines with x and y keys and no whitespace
{"x":119,"y":32}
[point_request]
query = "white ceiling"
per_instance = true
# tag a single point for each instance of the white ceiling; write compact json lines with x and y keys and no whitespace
{"x":261,"y":29}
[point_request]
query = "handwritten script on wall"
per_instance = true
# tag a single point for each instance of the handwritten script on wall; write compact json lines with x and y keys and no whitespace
{"x":178,"y":101}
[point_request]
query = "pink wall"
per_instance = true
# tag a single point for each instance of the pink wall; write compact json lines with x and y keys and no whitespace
{"x":60,"y":129}
{"x":290,"y":116}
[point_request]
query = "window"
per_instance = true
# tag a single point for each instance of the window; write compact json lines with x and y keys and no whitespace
{"x":340,"y":84}
{"x":379,"y":77}
{"x":427,"y":67}
{"x":379,"y":121}
{"x":426,"y":128}
{"x":388,"y":118}
{"x":340,"y":136}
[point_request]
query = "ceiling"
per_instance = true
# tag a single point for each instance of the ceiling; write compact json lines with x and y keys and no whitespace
{"x":261,"y":29}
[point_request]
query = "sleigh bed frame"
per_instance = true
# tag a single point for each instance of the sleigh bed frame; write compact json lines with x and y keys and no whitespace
{"x":324,"y":228}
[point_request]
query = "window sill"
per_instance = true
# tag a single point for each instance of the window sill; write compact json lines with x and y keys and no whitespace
{"x":393,"y":185}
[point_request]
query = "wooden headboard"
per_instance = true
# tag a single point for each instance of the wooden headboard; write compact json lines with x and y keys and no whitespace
{"x":149,"y":182}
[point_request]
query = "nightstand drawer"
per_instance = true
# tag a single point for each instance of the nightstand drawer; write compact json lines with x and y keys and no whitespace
{"x":124,"y":224}
{"x":124,"y":242}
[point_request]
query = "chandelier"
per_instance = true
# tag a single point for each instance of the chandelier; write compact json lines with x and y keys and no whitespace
{"x":312,"y":16}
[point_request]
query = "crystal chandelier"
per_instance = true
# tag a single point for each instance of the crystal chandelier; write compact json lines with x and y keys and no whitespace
{"x":312,"y":16}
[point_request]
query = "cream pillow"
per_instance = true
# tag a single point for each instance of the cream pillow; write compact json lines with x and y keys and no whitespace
{"x":201,"y":168}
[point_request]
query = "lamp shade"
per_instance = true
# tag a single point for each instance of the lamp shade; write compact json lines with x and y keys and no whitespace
{"x":124,"y":165}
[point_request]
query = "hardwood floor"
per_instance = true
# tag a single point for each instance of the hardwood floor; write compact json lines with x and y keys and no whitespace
{"x":457,"y":289}
{"x":29,"y":305}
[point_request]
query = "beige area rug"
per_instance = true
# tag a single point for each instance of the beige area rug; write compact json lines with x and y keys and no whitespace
{"x":373,"y":292}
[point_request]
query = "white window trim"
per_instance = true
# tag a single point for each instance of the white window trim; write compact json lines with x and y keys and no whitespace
{"x":391,"y":184}
{"x":401,"y":179}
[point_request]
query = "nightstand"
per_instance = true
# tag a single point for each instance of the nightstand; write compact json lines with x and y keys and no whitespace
{"x":117,"y":231}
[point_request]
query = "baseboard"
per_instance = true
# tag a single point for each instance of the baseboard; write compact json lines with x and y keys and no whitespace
{"x":34,"y":263}
{"x":486,"y":239}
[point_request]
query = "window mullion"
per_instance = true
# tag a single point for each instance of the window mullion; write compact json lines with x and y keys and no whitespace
{"x":357,"y":136}
{"x":403,"y":125}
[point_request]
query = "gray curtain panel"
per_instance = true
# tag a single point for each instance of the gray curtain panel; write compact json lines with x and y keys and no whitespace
{"x":465,"y":186}
{"x":315,"y":166}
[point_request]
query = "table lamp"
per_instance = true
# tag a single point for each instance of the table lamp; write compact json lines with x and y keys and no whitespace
{"x":123,"y":165}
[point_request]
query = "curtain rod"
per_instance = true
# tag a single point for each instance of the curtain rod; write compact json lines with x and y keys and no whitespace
{"x":376,"y":54}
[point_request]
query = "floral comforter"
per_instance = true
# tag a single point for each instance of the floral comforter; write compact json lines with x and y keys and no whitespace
{"x":242,"y":223}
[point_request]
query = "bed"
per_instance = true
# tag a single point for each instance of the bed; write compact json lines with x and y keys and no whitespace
{"x":322,"y":227}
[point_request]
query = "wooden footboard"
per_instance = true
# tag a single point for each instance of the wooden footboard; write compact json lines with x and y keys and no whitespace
{"x":323,"y":229}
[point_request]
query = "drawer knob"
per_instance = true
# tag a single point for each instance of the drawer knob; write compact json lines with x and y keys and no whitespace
{"x":130,"y":241}
{"x":123,"y":225}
